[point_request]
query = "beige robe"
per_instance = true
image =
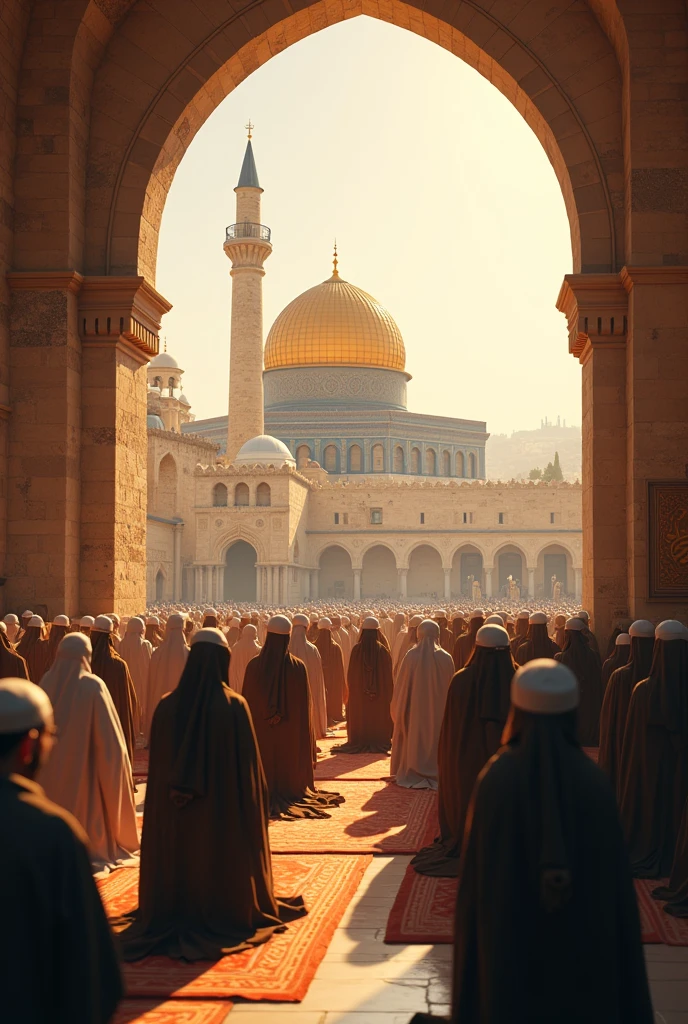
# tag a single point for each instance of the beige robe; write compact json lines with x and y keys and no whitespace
{"x":166,"y":667}
{"x":309,"y":654}
{"x":137,"y":653}
{"x":89,"y":772}
{"x":244,"y":650}
{"x":420,"y":693}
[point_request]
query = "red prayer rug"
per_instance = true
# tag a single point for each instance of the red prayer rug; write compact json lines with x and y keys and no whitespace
{"x":174,"y":1011}
{"x":279,"y":970}
{"x":354,"y":767}
{"x":423,"y":912}
{"x":376,"y":817}
{"x":140,"y":766}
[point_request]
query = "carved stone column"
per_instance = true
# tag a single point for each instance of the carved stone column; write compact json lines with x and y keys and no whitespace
{"x":357,"y":584}
{"x":447,"y":584}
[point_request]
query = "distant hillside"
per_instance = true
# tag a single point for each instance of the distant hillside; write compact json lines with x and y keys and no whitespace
{"x":513,"y":456}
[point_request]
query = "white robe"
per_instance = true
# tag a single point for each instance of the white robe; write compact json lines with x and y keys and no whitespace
{"x":309,"y":654}
{"x":245,"y":649}
{"x":88,"y":772}
{"x":420,"y":693}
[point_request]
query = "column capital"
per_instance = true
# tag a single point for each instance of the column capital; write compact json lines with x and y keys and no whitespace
{"x":112,"y":309}
{"x":596,"y":308}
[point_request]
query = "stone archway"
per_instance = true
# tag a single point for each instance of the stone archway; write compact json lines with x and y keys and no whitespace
{"x":240,"y":572}
{"x":379,"y":572}
{"x":425,"y":576}
{"x":336,"y":575}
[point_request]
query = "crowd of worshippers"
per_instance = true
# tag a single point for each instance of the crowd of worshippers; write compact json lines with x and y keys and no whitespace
{"x":500,"y":712}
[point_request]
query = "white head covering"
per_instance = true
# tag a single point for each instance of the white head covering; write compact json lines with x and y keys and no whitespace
{"x":415,"y":620}
{"x":27,"y":614}
{"x":494,"y":620}
{"x":574,"y":625}
{"x":209,"y":635}
{"x":136,"y":625}
{"x":641,"y":627}
{"x":325,"y":623}
{"x":371,"y":623}
{"x":523,"y":614}
{"x":544,"y":687}
{"x":428,"y":627}
{"x":671,"y":629}
{"x":301,"y":620}
{"x":11,"y":619}
{"x":492,"y":636}
{"x":61,"y":620}
{"x":23,"y":706}
{"x":279,"y":624}
{"x":477,"y":613}
{"x":441,"y":613}
{"x":244,"y":650}
{"x":623,"y":640}
{"x":87,"y":621}
{"x":36,"y":620}
{"x":209,"y":611}
{"x":538,"y":619}
{"x":585,"y":616}
{"x":102,"y":624}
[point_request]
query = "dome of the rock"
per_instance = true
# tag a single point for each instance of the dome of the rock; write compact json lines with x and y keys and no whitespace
{"x":335,"y":324}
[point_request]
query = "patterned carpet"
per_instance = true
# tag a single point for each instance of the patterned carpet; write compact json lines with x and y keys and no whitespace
{"x":423,"y":912}
{"x":377,"y":817}
{"x":354,"y":767}
{"x":173,"y":1011}
{"x":281,"y":969}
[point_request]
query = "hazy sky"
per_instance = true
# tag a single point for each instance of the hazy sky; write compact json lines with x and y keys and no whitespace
{"x":443,"y":203}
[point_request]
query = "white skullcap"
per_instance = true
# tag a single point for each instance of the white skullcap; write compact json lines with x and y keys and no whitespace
{"x":23,"y":706}
{"x":249,"y":630}
{"x":641,"y":627}
{"x":477,"y":613}
{"x":494,"y":620}
{"x":538,"y":619}
{"x":36,"y":620}
{"x":76,"y":645}
{"x":279,"y":624}
{"x":671,"y":629}
{"x":26,"y":614}
{"x":623,"y":639}
{"x":11,"y":619}
{"x":441,"y":613}
{"x":415,"y":620}
{"x":176,"y":621}
{"x":209,"y":611}
{"x":61,"y":620}
{"x":300,"y":620}
{"x":523,"y":614}
{"x":544,"y":687}
{"x":575,"y":624}
{"x":492,"y":636}
{"x":582,"y":614}
{"x":234,"y":622}
{"x":102,"y":624}
{"x":459,"y":615}
{"x":115,"y":618}
{"x":429,"y":627}
{"x":210,"y":635}
{"x":152,"y":620}
{"x":314,"y":616}
{"x":370,"y":623}
{"x":87,"y":620}
{"x":325,"y":623}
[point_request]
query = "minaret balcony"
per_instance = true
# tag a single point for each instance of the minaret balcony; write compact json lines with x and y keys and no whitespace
{"x":247,"y":230}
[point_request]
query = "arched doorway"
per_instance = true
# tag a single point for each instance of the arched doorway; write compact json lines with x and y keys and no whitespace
{"x":240,"y":572}
{"x":553,"y":561}
{"x":467,"y":565}
{"x":159,"y":585}
{"x":336,"y":577}
{"x":166,"y":504}
{"x":425,"y":576}
{"x":510,"y":563}
{"x":379,"y":573}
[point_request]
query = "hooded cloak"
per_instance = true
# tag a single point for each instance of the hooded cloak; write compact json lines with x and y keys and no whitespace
{"x":243,"y":651}
{"x":653,"y":773}
{"x":420,"y":695}
{"x":617,"y":659}
{"x":447,"y":640}
{"x":463,"y":648}
{"x":166,"y":666}
{"x":474,"y":717}
{"x":368,"y":720}
{"x":107,"y":664}
{"x":586,"y":667}
{"x":408,"y":639}
{"x":309,"y":654}
{"x":58,"y":630}
{"x":137,"y":652}
{"x":617,"y":698}
{"x":206,"y":878}
{"x":536,"y":645}
{"x":276,"y":689}
{"x":333,"y":672}
{"x":89,"y":771}
{"x":12,"y":665}
{"x":34,"y":650}
{"x":520,"y":632}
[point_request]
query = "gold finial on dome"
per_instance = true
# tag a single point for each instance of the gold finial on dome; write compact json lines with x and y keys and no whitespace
{"x":335,"y":263}
{"x":249,"y":128}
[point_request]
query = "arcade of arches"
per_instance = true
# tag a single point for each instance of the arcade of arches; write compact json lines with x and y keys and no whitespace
{"x":95,"y":119}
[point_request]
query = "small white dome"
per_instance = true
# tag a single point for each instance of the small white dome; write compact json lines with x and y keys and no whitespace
{"x":264,"y":448}
{"x":183,"y":400}
{"x":164,"y":359}
{"x":154,"y":422}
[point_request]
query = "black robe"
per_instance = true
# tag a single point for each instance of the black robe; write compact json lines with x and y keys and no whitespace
{"x":57,"y":952}
{"x":615,"y":703}
{"x":585,"y":665}
{"x":369,"y":723}
{"x":536,"y":645}
{"x":463,"y":648}
{"x":547,"y":928}
{"x":206,"y":874}
{"x":653,"y":775}
{"x":676,"y":892}
{"x":474,"y":717}
{"x":617,"y":659}
{"x":333,"y":673}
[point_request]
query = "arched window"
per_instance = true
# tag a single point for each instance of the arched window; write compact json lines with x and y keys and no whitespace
{"x":263,"y":494}
{"x":219,"y":495}
{"x":355,"y":458}
{"x":430,"y":462}
{"x":330,"y":454}
{"x":460,"y":464}
{"x":167,"y":487}
{"x":378,"y":458}
{"x":171,"y":383}
{"x":157,"y":382}
{"x":398,"y":459}
{"x":303,"y":456}
{"x":159,"y":585}
{"x":415,"y":460}
{"x":471,"y":466}
{"x":446,"y":464}
{"x":241,"y":494}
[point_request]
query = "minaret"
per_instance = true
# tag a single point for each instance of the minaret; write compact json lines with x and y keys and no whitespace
{"x":247,"y":245}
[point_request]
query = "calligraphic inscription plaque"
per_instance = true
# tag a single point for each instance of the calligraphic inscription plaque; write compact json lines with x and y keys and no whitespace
{"x":668,"y":547}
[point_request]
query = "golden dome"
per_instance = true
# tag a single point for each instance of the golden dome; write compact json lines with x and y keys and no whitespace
{"x":335,"y":324}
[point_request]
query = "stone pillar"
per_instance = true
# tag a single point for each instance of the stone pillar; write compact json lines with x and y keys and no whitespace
{"x":306,"y":584}
{"x":488,"y":582}
{"x":259,"y":582}
{"x":447,"y":584}
{"x":315,"y":583}
{"x":177,"y":563}
{"x":578,"y":583}
{"x":220,"y":583}
{"x":197,"y":584}
{"x":596,"y":308}
{"x":403,"y":580}
{"x":268,"y":589}
{"x":247,"y":246}
{"x":531,"y":583}
{"x":357,"y":584}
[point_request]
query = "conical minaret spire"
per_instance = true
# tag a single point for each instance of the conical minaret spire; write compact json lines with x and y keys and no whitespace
{"x":247,"y":244}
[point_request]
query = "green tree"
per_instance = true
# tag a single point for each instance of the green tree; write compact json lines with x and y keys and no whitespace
{"x":553,"y":470}
{"x":535,"y":474}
